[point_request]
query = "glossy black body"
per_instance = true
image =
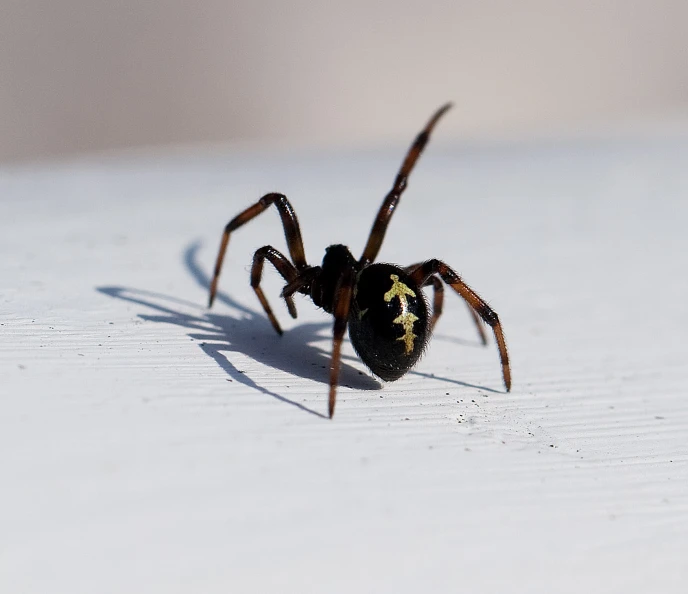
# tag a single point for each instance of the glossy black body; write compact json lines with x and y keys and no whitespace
{"x":388,"y":319}
{"x":323,"y":289}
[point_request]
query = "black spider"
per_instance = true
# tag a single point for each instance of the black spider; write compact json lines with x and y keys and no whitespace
{"x":382,"y":304}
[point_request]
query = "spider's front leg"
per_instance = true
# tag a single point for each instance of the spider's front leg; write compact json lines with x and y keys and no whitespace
{"x":292,"y":233}
{"x":426,"y":270}
{"x":302,"y":282}
{"x":285,"y":268}
{"x":384,"y":215}
{"x":342,"y":303}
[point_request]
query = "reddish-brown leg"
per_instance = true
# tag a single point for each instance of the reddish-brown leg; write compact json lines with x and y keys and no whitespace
{"x":377,"y":234}
{"x":302,"y":282}
{"x":342,"y":302}
{"x":420,"y":276}
{"x":438,"y":302}
{"x":478,"y":323}
{"x":437,"y":299}
{"x":285,"y":268}
{"x":291,"y":231}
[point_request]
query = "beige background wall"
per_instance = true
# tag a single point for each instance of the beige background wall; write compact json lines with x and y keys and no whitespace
{"x":82,"y":75}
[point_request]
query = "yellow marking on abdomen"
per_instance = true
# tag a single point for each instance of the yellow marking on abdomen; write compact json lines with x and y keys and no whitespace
{"x":406,"y":319}
{"x":398,"y":289}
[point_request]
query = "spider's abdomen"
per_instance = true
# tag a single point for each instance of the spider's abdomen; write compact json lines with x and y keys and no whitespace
{"x":388,"y":320}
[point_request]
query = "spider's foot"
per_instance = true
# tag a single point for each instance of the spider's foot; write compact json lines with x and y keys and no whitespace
{"x":275,"y":325}
{"x":268,"y":310}
{"x":483,"y":337}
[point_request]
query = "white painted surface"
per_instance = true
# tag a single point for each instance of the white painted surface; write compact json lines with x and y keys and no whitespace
{"x":148,"y":445}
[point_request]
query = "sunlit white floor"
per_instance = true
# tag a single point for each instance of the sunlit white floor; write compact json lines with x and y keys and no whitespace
{"x":150,"y":444}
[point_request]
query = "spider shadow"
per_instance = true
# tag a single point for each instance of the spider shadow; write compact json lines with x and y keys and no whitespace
{"x":191,"y":263}
{"x":246,"y":332}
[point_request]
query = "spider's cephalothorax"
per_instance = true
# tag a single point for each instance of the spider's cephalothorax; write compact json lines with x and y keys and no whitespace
{"x":382,"y":304}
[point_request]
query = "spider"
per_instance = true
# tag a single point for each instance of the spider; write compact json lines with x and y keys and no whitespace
{"x":382,"y":304}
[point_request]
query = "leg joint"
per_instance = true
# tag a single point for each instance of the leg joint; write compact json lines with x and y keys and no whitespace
{"x":272,"y":197}
{"x":489,"y":315}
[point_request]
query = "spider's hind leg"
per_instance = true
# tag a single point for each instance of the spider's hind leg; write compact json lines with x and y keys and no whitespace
{"x":285,"y":268}
{"x":433,"y":267}
{"x":437,"y":299}
{"x":438,"y":303}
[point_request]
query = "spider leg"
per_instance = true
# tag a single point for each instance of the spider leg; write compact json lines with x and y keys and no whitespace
{"x":438,"y":302}
{"x":301,"y":282}
{"x":291,"y":231}
{"x":426,"y":270}
{"x":285,"y":268}
{"x":437,"y":294}
{"x":437,"y":299}
{"x":377,"y":233}
{"x":342,"y":302}
{"x":478,"y":323}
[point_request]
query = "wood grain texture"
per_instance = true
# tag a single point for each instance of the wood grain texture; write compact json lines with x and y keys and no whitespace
{"x":148,"y":444}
